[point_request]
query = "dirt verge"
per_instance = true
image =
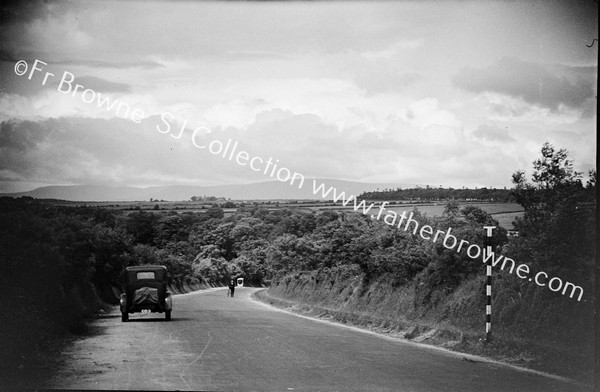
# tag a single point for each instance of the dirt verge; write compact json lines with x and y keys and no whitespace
{"x":540,"y":357}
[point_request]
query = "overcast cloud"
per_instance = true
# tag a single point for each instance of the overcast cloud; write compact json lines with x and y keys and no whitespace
{"x":439,"y":93}
{"x":535,"y":83}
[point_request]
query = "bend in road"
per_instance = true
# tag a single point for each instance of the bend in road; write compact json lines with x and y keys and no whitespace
{"x":219,"y":343}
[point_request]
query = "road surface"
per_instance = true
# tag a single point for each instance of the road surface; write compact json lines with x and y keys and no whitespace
{"x":220,"y":343}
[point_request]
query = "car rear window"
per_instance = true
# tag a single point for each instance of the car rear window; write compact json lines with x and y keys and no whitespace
{"x":145,"y":275}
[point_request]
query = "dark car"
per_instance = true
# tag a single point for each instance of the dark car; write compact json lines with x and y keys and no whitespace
{"x":146,"y":291}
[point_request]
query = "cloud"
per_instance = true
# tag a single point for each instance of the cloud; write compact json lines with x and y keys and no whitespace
{"x":121,"y":64}
{"x":394,"y":50}
{"x":78,"y":150}
{"x":17,"y":140}
{"x":493,"y":133}
{"x":13,"y":84}
{"x":96,"y":84}
{"x":27,"y":11}
{"x":81,"y":151}
{"x":120,"y":152}
{"x":426,"y":112}
{"x":116,"y":151}
{"x":537,"y":84}
{"x":383,"y":79}
{"x":20,"y":136}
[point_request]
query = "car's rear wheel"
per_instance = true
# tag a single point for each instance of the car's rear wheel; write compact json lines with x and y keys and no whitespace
{"x":168,"y":315}
{"x":124,"y":317}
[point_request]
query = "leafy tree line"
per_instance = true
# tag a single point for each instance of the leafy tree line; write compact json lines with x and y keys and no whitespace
{"x":66,"y":249}
{"x":94,"y":245}
{"x":51,"y":256}
{"x":557,"y":234}
{"x":440,"y":194}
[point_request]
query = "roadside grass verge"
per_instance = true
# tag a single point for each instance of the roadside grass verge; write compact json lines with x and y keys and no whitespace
{"x":456,"y":324}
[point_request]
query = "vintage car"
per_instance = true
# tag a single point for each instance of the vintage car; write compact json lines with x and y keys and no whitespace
{"x":146,"y":291}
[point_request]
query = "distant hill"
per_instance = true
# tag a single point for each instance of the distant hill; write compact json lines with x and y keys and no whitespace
{"x":273,"y":190}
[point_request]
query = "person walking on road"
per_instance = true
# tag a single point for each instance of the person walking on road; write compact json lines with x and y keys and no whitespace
{"x":231,"y":288}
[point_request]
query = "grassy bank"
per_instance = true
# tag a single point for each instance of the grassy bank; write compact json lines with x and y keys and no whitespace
{"x":456,"y":321}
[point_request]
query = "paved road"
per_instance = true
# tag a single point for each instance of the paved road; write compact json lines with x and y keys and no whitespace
{"x":220,"y":343}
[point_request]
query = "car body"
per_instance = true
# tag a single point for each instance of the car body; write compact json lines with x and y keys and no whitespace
{"x":146,"y":291}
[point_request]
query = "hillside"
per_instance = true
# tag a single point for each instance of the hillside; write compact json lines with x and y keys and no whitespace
{"x":268,"y":190}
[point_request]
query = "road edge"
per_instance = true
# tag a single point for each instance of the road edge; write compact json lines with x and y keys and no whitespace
{"x":466,"y":356}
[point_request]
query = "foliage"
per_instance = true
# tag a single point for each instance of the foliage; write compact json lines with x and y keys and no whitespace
{"x":254,"y":243}
{"x":558,"y":227}
{"x":49,"y":251}
{"x":436,"y":194}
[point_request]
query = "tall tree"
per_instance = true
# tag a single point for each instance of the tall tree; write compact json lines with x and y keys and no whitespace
{"x":558,"y":224}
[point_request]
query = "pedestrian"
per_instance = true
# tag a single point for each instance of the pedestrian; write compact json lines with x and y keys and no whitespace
{"x":231,"y":287}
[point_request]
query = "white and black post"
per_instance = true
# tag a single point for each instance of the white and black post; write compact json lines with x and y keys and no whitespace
{"x":488,"y":287}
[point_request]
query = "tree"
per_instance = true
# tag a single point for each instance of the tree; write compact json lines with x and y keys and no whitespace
{"x":144,"y":254}
{"x":557,"y":228}
{"x":170,"y":228}
{"x":111,"y":253}
{"x":554,"y":168}
{"x":215,"y":212}
{"x":452,"y":209}
{"x":142,"y":226}
{"x":209,"y":265}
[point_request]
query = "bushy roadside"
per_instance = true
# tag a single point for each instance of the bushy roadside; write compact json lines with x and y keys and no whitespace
{"x":60,"y":266}
{"x":536,"y":335}
{"x":58,"y":263}
{"x":373,"y":274}
{"x":39,"y":317}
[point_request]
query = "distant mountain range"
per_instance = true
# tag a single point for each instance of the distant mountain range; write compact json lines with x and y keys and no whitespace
{"x":269,"y":190}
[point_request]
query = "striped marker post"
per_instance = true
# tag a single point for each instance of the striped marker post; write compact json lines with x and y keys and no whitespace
{"x":488,"y":287}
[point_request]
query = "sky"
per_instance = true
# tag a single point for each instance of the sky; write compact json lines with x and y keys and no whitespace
{"x":440,"y":93}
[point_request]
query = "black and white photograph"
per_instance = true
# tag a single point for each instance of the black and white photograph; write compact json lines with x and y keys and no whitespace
{"x":299,"y":195}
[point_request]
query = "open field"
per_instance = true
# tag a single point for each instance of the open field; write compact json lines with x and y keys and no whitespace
{"x":505,"y":213}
